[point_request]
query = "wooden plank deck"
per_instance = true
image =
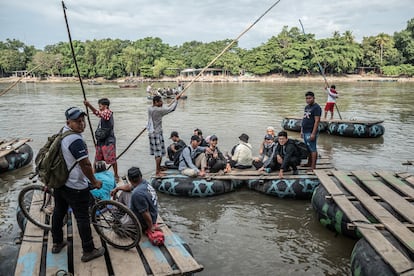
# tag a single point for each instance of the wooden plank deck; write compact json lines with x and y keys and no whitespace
{"x":370,"y":189}
{"x":35,"y":257}
{"x":12,"y":145}
{"x":252,"y":174}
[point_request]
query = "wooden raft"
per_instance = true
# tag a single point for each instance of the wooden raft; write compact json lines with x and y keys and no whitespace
{"x":395,"y":189}
{"x":7,"y":147}
{"x":35,"y":257}
{"x":252,"y":174}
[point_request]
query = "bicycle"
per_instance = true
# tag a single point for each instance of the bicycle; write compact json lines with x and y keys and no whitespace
{"x":113,"y":221}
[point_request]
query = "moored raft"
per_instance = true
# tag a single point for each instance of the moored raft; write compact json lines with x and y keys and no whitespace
{"x":35,"y":258}
{"x":385,"y":247}
{"x":295,"y":124}
{"x":299,"y":186}
{"x":174,"y":183}
{"x":356,"y":128}
{"x":292,"y":186}
{"x":14,"y":154}
{"x":366,"y":261}
{"x":346,"y":128}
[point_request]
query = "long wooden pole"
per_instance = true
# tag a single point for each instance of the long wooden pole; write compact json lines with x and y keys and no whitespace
{"x":227,"y":47}
{"x":320,"y":67}
{"x":130,"y":144}
{"x":77,"y":71}
{"x":16,"y":82}
{"x":204,"y":69}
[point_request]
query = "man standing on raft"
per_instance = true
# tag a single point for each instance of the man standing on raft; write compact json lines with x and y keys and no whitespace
{"x":310,"y":128}
{"x":330,"y":103}
{"x":154,"y":127}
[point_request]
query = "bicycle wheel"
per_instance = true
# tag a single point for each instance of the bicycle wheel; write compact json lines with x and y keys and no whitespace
{"x":116,"y":224}
{"x":37,"y":203}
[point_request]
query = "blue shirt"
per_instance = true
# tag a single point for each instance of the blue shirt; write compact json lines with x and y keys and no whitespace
{"x":144,"y":198}
{"x":108,"y":184}
{"x":308,"y":120}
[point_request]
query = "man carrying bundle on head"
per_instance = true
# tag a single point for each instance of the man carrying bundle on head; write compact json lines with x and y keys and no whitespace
{"x":330,"y":103}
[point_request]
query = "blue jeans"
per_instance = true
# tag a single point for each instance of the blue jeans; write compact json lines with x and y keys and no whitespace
{"x":310,"y":144}
{"x":78,"y":200}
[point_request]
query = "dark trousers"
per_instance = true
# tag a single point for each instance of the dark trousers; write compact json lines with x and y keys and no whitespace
{"x":217,"y":165}
{"x":293,"y":162}
{"x":170,"y":154}
{"x":78,"y":200}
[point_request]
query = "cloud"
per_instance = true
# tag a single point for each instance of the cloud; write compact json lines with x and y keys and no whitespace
{"x":176,"y":22}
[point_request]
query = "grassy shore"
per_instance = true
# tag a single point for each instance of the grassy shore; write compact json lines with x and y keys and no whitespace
{"x":269,"y":78}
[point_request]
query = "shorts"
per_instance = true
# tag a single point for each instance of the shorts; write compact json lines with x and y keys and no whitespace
{"x":310,"y":144}
{"x":329,"y":107}
{"x":157,"y":146}
{"x":106,"y":153}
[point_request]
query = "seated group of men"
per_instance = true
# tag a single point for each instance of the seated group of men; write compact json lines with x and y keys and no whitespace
{"x":203,"y":155}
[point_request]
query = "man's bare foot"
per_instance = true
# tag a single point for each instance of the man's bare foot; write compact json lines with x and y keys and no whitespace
{"x":160,"y":174}
{"x":309,"y":171}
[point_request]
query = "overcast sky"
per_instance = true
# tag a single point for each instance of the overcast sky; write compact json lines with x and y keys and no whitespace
{"x":41,"y":22}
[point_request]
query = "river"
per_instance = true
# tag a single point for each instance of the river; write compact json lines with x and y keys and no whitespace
{"x":240,"y":233}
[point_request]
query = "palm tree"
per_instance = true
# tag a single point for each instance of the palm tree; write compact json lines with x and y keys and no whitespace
{"x":382,"y":39}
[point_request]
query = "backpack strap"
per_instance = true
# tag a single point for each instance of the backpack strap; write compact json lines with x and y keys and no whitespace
{"x":182,"y":158}
{"x":67,"y":133}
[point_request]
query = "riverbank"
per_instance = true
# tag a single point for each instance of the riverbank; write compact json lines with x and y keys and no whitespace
{"x":270,"y":78}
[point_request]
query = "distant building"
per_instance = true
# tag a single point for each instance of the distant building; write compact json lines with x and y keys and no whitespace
{"x":191,"y":72}
{"x":21,"y":73}
{"x":365,"y":70}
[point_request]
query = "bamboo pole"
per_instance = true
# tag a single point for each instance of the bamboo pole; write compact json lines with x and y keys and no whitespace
{"x":226,"y":48}
{"x":16,"y":82}
{"x":320,"y":68}
{"x":77,"y":71}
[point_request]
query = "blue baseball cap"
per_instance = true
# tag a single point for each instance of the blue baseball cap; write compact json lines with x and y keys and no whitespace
{"x":74,"y":113}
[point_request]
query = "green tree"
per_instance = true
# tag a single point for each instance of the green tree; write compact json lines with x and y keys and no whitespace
{"x":381,"y":40}
{"x":404,"y":42}
{"x":132,"y":58}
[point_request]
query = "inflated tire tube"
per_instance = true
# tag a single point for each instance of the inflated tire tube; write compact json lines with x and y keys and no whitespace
{"x":293,"y":124}
{"x":300,"y":188}
{"x":366,"y":261}
{"x":333,"y":218}
{"x":16,"y":159}
{"x":181,"y":185}
{"x":356,"y":130}
{"x":21,"y":219}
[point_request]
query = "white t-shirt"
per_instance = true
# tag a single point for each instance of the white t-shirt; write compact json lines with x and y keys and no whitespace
{"x":331,"y":95}
{"x":74,"y":149}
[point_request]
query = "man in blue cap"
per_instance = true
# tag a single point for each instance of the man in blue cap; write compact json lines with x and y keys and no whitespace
{"x":75,"y":192}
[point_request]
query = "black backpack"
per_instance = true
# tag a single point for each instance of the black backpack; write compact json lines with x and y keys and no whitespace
{"x":301,"y":147}
{"x":177,"y":156}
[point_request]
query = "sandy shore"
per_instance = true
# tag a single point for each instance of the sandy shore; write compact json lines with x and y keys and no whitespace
{"x":269,"y":78}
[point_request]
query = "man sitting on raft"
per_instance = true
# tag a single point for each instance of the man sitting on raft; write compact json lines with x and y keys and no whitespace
{"x":193,"y":160}
{"x":242,"y":157}
{"x":285,"y":155}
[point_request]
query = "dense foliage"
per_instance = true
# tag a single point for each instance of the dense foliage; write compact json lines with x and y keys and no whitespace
{"x":290,"y":52}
